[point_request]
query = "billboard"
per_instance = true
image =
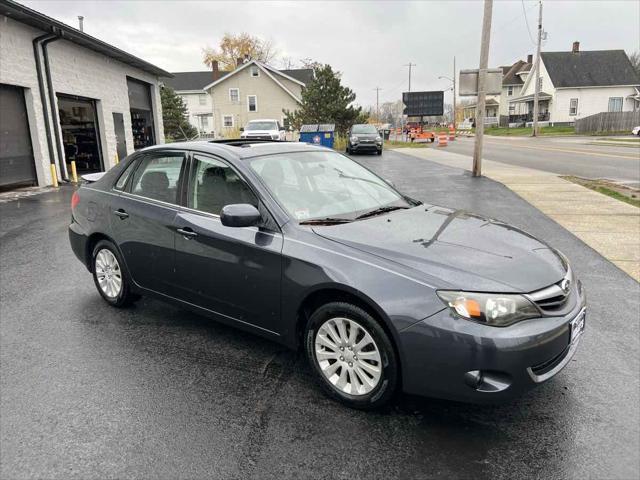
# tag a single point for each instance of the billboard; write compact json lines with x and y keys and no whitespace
{"x":468,"y":84}
{"x":423,"y":104}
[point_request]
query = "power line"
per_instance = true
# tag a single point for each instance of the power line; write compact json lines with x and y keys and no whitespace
{"x":526,"y":21}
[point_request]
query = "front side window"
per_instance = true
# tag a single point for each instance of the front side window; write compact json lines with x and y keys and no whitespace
{"x":202,"y":99}
{"x":573,"y":106}
{"x":615,"y":104}
{"x":214,"y":184}
{"x":158,"y":176}
{"x":509,"y":90}
{"x":316,"y":185}
{"x":234,"y":95}
{"x":252,"y":103}
{"x":227,"y":121}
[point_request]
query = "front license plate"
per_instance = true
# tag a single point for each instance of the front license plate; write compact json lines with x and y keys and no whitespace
{"x":577,"y":326}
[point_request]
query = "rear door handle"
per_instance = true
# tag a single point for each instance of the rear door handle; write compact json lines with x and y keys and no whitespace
{"x":187,"y":233}
{"x":121,"y":213}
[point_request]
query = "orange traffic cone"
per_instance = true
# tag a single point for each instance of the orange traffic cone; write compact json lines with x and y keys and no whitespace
{"x":442,"y":139}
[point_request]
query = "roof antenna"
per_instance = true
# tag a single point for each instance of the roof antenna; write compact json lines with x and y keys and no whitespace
{"x":81,"y":23}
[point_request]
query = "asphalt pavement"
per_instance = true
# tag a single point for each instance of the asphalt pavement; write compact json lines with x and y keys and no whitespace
{"x":577,"y":156}
{"x":154,"y":391}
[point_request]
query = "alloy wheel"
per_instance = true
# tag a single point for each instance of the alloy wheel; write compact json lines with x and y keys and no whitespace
{"x":348,"y":356}
{"x":108,"y":273}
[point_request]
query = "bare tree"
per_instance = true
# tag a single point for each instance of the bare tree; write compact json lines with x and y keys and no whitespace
{"x":234,"y":47}
{"x":635,"y":61}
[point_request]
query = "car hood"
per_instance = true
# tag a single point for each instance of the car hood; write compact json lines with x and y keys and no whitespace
{"x":461,"y":249}
{"x":365,"y":136}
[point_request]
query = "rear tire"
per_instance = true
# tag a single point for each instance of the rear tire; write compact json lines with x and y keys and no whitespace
{"x":110,"y":276}
{"x":335,"y":335}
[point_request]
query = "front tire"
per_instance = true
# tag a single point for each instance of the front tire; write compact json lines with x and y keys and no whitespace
{"x":351,"y":355}
{"x":109,"y":275}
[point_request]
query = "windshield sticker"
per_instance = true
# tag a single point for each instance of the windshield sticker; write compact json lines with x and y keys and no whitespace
{"x":301,"y":213}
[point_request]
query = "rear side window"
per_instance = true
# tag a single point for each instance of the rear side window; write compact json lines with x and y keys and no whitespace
{"x":122,"y":181}
{"x":158,"y":176}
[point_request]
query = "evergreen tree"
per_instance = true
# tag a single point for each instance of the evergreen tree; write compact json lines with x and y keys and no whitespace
{"x":326,"y":100}
{"x":175,"y":116}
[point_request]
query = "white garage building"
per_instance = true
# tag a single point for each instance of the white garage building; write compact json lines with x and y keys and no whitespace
{"x":66,"y":96}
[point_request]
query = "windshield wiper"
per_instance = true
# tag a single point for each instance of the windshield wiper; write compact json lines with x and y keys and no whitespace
{"x":325,"y":221}
{"x":378,"y":211}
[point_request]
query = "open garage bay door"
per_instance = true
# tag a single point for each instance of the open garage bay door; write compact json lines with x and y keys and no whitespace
{"x":16,"y":154}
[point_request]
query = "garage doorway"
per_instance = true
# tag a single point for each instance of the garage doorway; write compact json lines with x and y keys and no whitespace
{"x":17,"y":167}
{"x":80,"y":133}
{"x":141,"y":113}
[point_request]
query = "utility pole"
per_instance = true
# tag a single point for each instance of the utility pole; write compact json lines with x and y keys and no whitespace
{"x":482,"y":87}
{"x":377,"y":89}
{"x":454,"y":93}
{"x":410,"y":65}
{"x":535,"y":132}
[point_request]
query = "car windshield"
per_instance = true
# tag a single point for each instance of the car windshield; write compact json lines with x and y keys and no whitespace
{"x":363,"y":129}
{"x":325,"y":185}
{"x":261,"y":126}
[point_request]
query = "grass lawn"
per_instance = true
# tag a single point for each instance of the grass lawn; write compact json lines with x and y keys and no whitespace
{"x":397,"y":144}
{"x":526,"y":131}
{"x":619,"y":192}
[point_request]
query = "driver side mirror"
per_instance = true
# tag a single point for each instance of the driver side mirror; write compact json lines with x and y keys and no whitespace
{"x":242,"y":129}
{"x":240,"y":215}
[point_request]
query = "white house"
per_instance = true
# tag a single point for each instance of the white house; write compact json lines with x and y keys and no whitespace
{"x":67,"y":96}
{"x":254,"y":90}
{"x":577,"y":84}
{"x":190,"y":87}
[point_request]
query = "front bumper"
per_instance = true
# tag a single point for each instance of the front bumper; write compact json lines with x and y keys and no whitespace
{"x":448,"y":357}
{"x":365,"y":147}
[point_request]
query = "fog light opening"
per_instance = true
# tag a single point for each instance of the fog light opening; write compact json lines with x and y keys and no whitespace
{"x":487,"y":381}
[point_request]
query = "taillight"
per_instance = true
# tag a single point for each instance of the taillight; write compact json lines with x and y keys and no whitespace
{"x":75,"y":200}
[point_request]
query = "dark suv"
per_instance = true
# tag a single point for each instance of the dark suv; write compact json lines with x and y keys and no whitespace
{"x":364,"y":138}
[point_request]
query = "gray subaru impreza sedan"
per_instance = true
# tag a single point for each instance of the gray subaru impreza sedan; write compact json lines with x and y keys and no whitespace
{"x":306,"y":247}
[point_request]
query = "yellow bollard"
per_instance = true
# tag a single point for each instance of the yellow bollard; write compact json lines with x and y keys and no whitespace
{"x":117,"y":159}
{"x":74,"y":173}
{"x":54,"y":175}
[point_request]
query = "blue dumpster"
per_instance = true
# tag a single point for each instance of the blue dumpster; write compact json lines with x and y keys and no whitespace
{"x":318,"y":134}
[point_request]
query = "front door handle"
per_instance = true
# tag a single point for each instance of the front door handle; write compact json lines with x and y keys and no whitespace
{"x":121,"y":213}
{"x":187,"y":233}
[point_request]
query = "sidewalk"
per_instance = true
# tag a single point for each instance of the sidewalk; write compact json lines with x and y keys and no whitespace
{"x":609,"y":226}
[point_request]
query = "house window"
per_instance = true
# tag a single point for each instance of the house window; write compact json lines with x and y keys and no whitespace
{"x":512,"y":109}
{"x":255,"y":71}
{"x":286,"y":124}
{"x":202,"y":99}
{"x":252,"y":103}
{"x":234,"y":95}
{"x":540,"y":84}
{"x":205,"y":123}
{"x":615,"y":104}
{"x":227,"y":121}
{"x":509,"y":90}
{"x":573,"y":106}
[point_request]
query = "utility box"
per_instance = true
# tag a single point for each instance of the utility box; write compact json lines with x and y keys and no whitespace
{"x":318,"y":134}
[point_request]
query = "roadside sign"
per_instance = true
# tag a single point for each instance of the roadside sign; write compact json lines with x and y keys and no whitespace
{"x":423,"y":104}
{"x":468,"y":84}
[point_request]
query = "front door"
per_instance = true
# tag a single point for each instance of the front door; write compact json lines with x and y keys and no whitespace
{"x":142,"y":219}
{"x":234,"y":272}
{"x":121,"y":141}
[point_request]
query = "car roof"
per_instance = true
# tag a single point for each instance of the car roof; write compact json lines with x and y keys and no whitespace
{"x":241,"y":148}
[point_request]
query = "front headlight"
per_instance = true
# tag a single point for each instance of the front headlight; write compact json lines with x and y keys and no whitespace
{"x":275,"y":136}
{"x":489,"y":308}
{"x":354,"y":139}
{"x":378,"y":139}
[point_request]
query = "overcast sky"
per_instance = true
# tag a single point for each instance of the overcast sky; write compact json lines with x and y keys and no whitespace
{"x":368,"y":41}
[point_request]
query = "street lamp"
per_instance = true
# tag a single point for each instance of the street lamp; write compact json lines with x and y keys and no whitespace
{"x":452,"y":80}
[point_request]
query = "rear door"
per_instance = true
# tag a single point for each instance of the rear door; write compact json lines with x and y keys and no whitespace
{"x":235,"y":272}
{"x":143,"y":215}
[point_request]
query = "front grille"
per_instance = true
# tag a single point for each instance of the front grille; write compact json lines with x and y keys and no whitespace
{"x":259,"y":137}
{"x":554,"y":298}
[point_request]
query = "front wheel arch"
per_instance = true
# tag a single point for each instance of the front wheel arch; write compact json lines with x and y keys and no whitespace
{"x":340,"y":293}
